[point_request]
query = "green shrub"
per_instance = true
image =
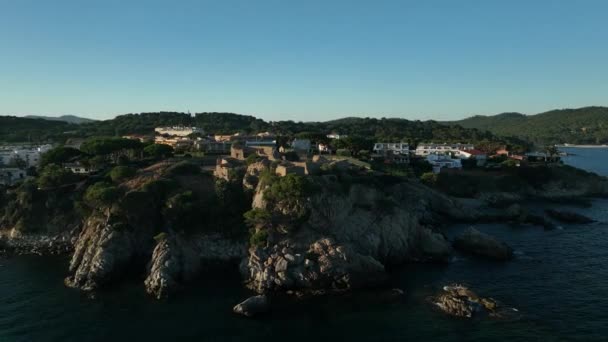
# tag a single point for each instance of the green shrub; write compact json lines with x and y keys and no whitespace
{"x":54,"y":175}
{"x":429,"y":178}
{"x":160,"y":237}
{"x":510,"y":163}
{"x":252,"y":158}
{"x":257,"y":216}
{"x":289,"y":187}
{"x":121,"y":173}
{"x":158,"y":151}
{"x":101,"y":194}
{"x":259,"y":239}
{"x":343,"y":153}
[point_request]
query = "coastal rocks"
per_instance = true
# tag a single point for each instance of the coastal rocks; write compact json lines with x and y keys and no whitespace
{"x":177,"y":260}
{"x":347,"y":237}
{"x":459,"y":301}
{"x":568,"y":217}
{"x":481,"y":244}
{"x":103,"y":251}
{"x":252,"y":175}
{"x":30,"y":244}
{"x":252,"y":306}
{"x":169,"y":265}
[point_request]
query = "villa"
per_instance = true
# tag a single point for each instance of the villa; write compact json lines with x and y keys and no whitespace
{"x":178,"y":131}
{"x":426,"y":149}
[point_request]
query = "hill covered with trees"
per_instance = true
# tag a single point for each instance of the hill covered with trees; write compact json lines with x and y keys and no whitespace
{"x":588,"y":125}
{"x":372,"y":129}
{"x":18,"y":129}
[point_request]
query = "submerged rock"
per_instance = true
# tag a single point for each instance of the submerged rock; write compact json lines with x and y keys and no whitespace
{"x":481,"y":244}
{"x":252,"y":306}
{"x":568,"y":216}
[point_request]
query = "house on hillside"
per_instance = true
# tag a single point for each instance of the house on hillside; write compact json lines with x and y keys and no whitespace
{"x":392,"y":153}
{"x":427,"y":149}
{"x":480,"y":157}
{"x":178,"y":131}
{"x":79,"y":169}
{"x":439,"y":161}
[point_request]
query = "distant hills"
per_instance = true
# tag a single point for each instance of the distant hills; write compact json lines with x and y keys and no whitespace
{"x":65,"y":118}
{"x":588,"y":125}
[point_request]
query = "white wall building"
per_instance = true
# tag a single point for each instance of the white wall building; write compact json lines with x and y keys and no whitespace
{"x":29,"y":154}
{"x":426,"y":149}
{"x":395,"y":148}
{"x":439,"y":162}
{"x":178,"y":131}
{"x":336,"y":136}
{"x":79,"y":169}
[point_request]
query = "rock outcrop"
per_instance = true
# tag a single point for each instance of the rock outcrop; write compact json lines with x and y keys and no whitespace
{"x":252,"y":306}
{"x":104,"y":250}
{"x":475,"y":242}
{"x":459,"y":301}
{"x":36,"y":244}
{"x":176,"y":259}
{"x":341,"y":240}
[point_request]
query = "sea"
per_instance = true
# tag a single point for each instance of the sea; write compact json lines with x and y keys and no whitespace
{"x":558,"y":282}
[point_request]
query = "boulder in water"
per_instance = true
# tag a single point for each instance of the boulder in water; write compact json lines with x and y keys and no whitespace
{"x":481,"y":244}
{"x":459,"y":301}
{"x":252,"y":306}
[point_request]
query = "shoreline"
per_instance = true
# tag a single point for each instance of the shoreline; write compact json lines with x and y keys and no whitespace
{"x":582,"y":146}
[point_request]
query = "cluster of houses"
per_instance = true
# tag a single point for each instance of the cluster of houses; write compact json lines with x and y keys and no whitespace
{"x":299,"y":156}
{"x":440,"y":156}
{"x":16,"y":159}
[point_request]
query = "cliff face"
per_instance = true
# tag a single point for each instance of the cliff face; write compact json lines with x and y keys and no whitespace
{"x":105,"y":249}
{"x":177,"y":260}
{"x":346,"y":237}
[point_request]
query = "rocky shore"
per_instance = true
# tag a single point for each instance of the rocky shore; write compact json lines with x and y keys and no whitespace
{"x":328,"y":233}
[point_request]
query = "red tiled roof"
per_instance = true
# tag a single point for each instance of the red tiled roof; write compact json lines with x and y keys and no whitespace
{"x":474,"y":152}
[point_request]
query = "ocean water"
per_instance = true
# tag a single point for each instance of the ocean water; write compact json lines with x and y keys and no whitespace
{"x":558,"y":282}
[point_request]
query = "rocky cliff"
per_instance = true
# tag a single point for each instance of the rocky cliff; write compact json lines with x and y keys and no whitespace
{"x":344,"y":239}
{"x":177,"y":260}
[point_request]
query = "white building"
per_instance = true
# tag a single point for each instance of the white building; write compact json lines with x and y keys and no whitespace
{"x":30,"y":155}
{"x":178,"y":131}
{"x":395,"y":148}
{"x":336,"y":136}
{"x":79,"y":169}
{"x":439,"y":162}
{"x":427,"y":149}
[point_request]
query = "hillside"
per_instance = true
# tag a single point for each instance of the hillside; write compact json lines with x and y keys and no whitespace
{"x":588,"y":125}
{"x":17,"y":129}
{"x":391,"y":129}
{"x":73,"y":119}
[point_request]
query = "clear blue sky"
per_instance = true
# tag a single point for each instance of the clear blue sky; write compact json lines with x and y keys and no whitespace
{"x":302,"y":60}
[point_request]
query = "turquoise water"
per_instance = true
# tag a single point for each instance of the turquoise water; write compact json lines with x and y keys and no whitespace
{"x":558,"y":281}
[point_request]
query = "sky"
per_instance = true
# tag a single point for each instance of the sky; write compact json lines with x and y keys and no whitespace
{"x":302,"y":60}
